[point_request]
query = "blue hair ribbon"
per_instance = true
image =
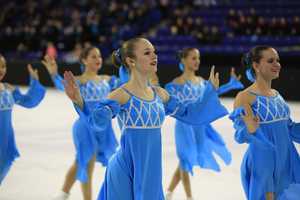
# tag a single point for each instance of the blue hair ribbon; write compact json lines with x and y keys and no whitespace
{"x":181,"y":66}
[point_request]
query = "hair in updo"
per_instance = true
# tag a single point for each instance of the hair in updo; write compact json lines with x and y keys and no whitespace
{"x":185,"y":52}
{"x":85,"y":53}
{"x":254,"y":55}
{"x":118,"y":57}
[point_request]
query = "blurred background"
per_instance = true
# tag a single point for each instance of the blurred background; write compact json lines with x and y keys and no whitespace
{"x":221,"y":29}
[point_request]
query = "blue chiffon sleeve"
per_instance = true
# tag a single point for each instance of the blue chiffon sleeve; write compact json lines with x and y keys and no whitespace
{"x":258,"y":164}
{"x":204,"y":110}
{"x":100,"y":118}
{"x":241,"y":133}
{"x":233,"y":84}
{"x":33,"y":97}
{"x":58,"y":82}
{"x":114,"y":82}
{"x":294,"y":131}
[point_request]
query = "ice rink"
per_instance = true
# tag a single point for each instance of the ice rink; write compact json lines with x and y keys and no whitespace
{"x":44,"y":139}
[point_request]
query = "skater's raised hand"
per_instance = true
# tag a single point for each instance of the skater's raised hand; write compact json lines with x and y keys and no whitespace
{"x":251,"y":121}
{"x":71,"y":88}
{"x":234,"y":75}
{"x":214,"y":77}
{"x":33,"y":72}
{"x":50,"y":65}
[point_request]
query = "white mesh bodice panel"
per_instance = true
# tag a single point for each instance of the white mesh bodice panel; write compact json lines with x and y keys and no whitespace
{"x":188,"y":92}
{"x":271,"y":109}
{"x":6,"y":100}
{"x":94,"y":91}
{"x":138,"y":113}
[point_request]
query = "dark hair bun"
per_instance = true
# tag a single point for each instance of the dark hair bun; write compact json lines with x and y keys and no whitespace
{"x":246,"y":60}
{"x":180,"y":54}
{"x":116,"y":58}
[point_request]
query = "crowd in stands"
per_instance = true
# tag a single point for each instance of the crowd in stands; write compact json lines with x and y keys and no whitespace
{"x":33,"y":26}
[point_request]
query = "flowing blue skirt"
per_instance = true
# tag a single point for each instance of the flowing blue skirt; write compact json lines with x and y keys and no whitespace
{"x":135,"y":171}
{"x":195,"y":146}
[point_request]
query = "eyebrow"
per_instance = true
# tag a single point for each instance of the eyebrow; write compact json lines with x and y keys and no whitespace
{"x":275,"y":58}
{"x":149,"y":49}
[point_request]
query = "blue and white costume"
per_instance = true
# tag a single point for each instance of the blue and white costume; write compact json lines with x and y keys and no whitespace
{"x":195,"y":144}
{"x":89,"y":143}
{"x":135,"y":171}
{"x":271,"y":162}
{"x":8,"y":148}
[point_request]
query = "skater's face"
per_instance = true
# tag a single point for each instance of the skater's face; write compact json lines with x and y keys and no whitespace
{"x":145,"y":59}
{"x":2,"y":67}
{"x":93,"y":60}
{"x":192,"y":60}
{"x":268,"y":66}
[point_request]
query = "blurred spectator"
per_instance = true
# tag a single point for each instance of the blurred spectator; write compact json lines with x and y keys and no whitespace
{"x":273,"y":26}
{"x":283,"y":28}
{"x":295,"y":27}
{"x":253,"y":15}
{"x":232,"y":19}
{"x":215,"y":35}
{"x":73,"y":56}
{"x":51,"y":50}
{"x":261,"y":27}
{"x":205,"y":2}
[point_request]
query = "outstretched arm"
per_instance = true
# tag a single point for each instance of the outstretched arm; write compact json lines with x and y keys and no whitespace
{"x":204,"y":110}
{"x":233,"y":84}
{"x":71,"y":89}
{"x":34,"y":95}
{"x":52,"y":68}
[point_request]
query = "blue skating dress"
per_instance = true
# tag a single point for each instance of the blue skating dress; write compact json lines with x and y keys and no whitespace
{"x":89,"y":143}
{"x":8,"y":148}
{"x":195,"y":145}
{"x":271,"y":162}
{"x":135,"y":171}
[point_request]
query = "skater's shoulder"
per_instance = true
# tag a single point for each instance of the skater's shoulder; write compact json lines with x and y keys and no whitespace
{"x":244,"y":97}
{"x":104,"y":77}
{"x":178,"y":80}
{"x":120,"y":95}
{"x":162,"y":93}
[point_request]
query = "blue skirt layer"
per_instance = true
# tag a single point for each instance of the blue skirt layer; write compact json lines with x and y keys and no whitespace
{"x":134,"y":172}
{"x":271,"y":168}
{"x":292,"y":193}
{"x":101,"y":144}
{"x":195,"y":146}
{"x":8,"y":148}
